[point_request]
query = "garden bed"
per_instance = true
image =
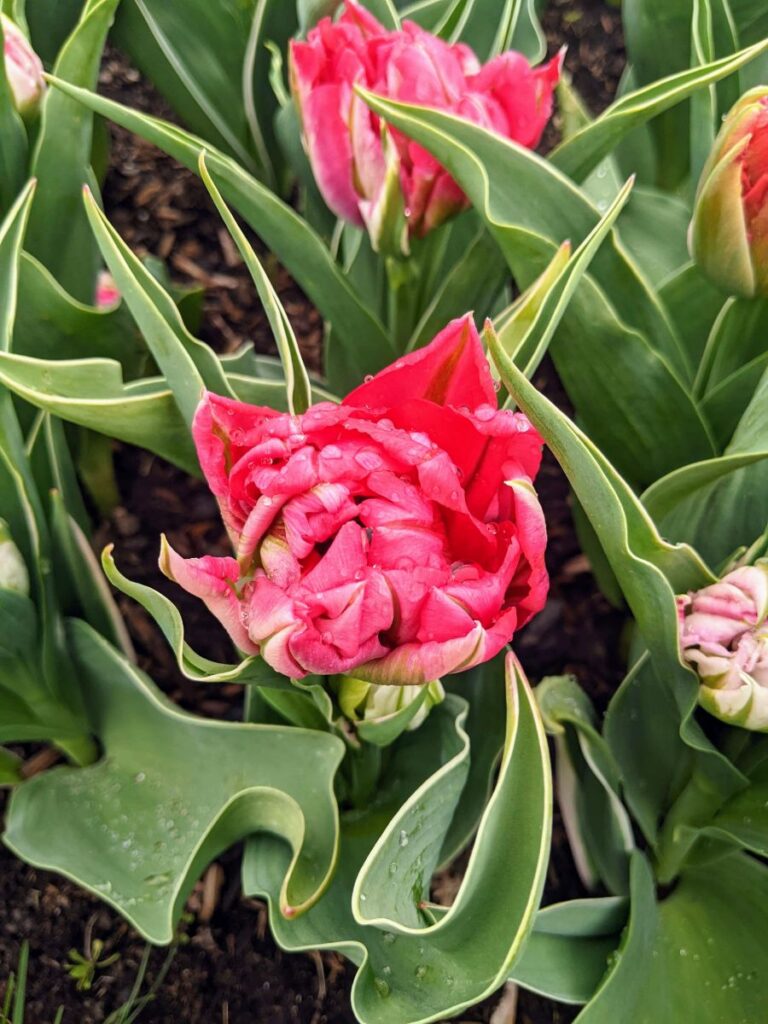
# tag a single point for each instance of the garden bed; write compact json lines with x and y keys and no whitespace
{"x":226,"y":967}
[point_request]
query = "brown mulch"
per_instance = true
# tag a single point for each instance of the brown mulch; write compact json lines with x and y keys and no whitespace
{"x":228,"y":969}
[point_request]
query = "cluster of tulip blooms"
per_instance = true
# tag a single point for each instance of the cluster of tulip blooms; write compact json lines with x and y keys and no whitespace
{"x":388,"y":542}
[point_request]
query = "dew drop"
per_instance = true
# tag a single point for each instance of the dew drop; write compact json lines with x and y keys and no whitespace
{"x":403,"y":840}
{"x":484,"y":413}
{"x":139,"y":777}
{"x":368,"y":378}
{"x":381,"y":987}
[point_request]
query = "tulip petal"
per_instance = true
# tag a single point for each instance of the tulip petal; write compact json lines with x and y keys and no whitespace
{"x":213,"y":581}
{"x":452,"y":371}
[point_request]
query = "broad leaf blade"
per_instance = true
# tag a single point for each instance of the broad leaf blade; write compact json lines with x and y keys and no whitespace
{"x":59,"y":235}
{"x":299,"y":392}
{"x":580,"y":154}
{"x":424,"y":973}
{"x":174,"y":792}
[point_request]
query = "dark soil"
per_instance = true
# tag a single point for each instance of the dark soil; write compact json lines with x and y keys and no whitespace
{"x":227,"y":968}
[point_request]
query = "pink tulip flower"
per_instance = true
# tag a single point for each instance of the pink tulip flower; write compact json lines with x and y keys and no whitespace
{"x":396,"y":536}
{"x":354,"y":155}
{"x":724,"y":638}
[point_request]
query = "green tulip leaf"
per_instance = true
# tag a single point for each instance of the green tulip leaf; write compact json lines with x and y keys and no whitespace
{"x":194,"y":54}
{"x":743,"y":820}
{"x":50,"y":324}
{"x":165,"y":613}
{"x":588,"y":786}
{"x":729,"y":511}
{"x":693,"y":305}
{"x":274,"y":24}
{"x":49,"y":21}
{"x":700,"y":947}
{"x":91,"y":393}
{"x":365,"y":344}
{"x":735,"y":340}
{"x":661,"y":498}
{"x":582,"y":152}
{"x":649,"y":570}
{"x":413,"y":970}
{"x":526,"y":330}
{"x":187,"y":364}
{"x":299,"y":393}
{"x":492,"y":27}
{"x":58,"y":234}
{"x":172,"y":792}
{"x":484,"y":725}
{"x":10,"y":768}
{"x":654,"y":229}
{"x":655,"y":763}
{"x":472,"y":282}
{"x":617,"y":363}
{"x":566,"y":956}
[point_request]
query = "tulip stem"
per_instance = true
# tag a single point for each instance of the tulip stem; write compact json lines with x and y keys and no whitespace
{"x":363,"y":770}
{"x":403,"y":282}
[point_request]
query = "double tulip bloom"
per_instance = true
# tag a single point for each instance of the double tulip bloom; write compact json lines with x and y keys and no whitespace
{"x":724,"y":637}
{"x":395,"y":537}
{"x":23,"y":68}
{"x":729,"y":231}
{"x":369,"y":173}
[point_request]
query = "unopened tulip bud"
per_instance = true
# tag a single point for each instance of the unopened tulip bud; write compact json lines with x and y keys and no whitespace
{"x":371,"y":702}
{"x":107,"y":292}
{"x":13,"y":571}
{"x":724,"y":638}
{"x":729,"y":230}
{"x":23,"y":68}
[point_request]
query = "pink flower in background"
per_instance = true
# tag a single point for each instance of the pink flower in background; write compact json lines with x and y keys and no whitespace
{"x":349,"y":148}
{"x":23,"y":68}
{"x":724,"y":638}
{"x":107,"y":293}
{"x":396,"y":535}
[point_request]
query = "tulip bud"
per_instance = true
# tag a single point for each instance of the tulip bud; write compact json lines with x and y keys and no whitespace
{"x":724,"y":638}
{"x":23,"y":68}
{"x":13,"y":571}
{"x":374,"y":703}
{"x":107,"y":292}
{"x":729,"y":231}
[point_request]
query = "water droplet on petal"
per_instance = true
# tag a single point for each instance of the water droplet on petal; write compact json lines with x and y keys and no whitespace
{"x":368,"y":378}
